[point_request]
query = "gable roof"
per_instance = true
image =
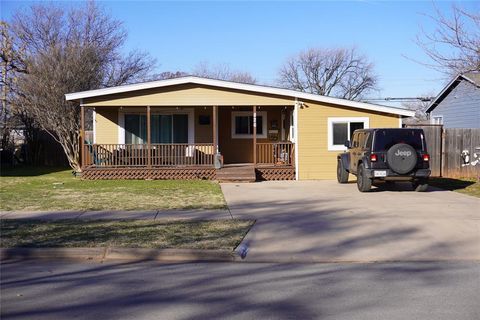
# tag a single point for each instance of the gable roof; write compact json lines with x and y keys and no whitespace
{"x":236,"y":86}
{"x":471,"y":77}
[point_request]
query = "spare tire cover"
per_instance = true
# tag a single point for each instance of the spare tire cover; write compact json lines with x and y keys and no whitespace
{"x":402,"y":158}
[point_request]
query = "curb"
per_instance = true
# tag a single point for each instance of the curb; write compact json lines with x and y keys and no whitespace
{"x":129,"y":254}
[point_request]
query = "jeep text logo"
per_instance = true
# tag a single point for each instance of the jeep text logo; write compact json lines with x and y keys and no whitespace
{"x":403,"y":153}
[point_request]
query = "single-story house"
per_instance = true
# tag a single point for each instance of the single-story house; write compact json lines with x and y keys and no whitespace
{"x":189,"y":127}
{"x":458,"y":104}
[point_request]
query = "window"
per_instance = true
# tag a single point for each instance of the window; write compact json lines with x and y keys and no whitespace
{"x":341,"y":129}
{"x":385,"y":140}
{"x":242,"y":124}
{"x":437,"y":120}
{"x":166,"y":128}
{"x":135,"y":129}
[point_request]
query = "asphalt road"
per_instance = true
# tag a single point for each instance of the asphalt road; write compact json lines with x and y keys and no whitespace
{"x":148,"y":290}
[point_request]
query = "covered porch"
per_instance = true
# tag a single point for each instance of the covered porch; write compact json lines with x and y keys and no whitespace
{"x":188,"y":142}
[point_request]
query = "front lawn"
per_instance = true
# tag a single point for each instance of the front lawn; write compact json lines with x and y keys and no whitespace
{"x":214,"y":234}
{"x":36,"y":189}
{"x":466,"y":186}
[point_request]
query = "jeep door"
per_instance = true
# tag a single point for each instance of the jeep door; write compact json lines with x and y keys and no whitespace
{"x":354,"y":153}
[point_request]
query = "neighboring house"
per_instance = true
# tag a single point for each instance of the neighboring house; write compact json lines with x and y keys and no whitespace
{"x":297,"y":135}
{"x":458,"y":104}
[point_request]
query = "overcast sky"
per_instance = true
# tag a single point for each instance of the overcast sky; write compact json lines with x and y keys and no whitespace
{"x":258,"y":36}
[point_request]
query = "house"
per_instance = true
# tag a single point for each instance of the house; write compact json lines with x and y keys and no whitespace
{"x":458,"y":104}
{"x":188,"y":127}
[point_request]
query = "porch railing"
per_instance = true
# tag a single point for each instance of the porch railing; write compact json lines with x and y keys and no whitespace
{"x":139,"y":155}
{"x":275,"y":153}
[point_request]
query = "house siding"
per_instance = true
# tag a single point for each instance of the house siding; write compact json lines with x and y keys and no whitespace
{"x":315,"y":161}
{"x":106,"y":129}
{"x":460,"y":108}
{"x":188,"y":95}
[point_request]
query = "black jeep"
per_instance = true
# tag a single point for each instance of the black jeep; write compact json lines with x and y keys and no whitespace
{"x":385,"y":154}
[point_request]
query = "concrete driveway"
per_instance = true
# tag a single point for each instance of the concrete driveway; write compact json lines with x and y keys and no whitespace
{"x":315,"y":221}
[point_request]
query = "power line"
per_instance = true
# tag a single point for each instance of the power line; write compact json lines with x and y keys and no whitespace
{"x":402,"y":99}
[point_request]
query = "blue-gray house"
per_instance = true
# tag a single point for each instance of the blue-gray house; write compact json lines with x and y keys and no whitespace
{"x":458,"y":104}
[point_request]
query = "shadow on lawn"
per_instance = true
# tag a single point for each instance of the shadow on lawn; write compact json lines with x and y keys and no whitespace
{"x":29,"y":171}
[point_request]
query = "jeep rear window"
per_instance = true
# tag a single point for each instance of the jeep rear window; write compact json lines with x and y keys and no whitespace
{"x":385,"y":139}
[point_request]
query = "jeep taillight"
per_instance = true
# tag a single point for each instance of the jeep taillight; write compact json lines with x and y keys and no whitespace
{"x":426,"y":157}
{"x":373,"y":158}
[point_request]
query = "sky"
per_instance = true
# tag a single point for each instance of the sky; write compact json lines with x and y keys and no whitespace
{"x":259,"y":36}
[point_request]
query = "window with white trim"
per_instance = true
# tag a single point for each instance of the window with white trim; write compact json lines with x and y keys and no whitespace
{"x":437,"y":119}
{"x":341,"y":129}
{"x":242,"y":124}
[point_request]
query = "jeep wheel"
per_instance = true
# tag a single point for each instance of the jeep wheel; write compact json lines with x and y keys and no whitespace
{"x":364,"y":183}
{"x":420,"y":185}
{"x":342,"y":173}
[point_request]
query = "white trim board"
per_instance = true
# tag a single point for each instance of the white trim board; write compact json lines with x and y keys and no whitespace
{"x":332,"y":120}
{"x":94,"y":125}
{"x":236,"y":86}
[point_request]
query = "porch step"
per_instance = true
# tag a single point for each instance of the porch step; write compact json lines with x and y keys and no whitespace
{"x":236,"y":174}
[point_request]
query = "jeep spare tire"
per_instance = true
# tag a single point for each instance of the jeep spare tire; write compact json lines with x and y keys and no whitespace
{"x":401,"y":158}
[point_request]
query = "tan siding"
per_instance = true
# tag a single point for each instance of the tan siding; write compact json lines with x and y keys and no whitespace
{"x":106,"y":129}
{"x":188,"y":95}
{"x":315,"y":161}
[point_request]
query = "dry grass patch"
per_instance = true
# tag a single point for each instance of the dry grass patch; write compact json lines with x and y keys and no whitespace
{"x":215,"y":234}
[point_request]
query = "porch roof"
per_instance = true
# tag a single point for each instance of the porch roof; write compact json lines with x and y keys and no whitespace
{"x":78,"y":96}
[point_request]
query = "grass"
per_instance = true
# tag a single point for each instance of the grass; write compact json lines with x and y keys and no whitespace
{"x":37,"y":189}
{"x":214,"y":234}
{"x":466,"y":186}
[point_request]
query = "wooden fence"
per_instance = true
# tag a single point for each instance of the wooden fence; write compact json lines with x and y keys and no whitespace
{"x":454,"y":152}
{"x":461,"y":156}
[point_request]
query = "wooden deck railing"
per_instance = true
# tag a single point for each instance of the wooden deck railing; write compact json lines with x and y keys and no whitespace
{"x":275,"y":153}
{"x":137,"y":155}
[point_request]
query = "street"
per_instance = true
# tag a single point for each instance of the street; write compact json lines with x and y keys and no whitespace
{"x":149,"y":290}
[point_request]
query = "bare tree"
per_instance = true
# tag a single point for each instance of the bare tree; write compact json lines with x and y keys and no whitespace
{"x":169,"y":75}
{"x":222,"y":72}
{"x":419,"y":106}
{"x":341,"y":73}
{"x":69,"y":51}
{"x":454,"y":44}
{"x":12,"y":58}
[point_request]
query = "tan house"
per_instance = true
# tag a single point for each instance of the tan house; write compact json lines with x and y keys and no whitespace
{"x":194,"y":127}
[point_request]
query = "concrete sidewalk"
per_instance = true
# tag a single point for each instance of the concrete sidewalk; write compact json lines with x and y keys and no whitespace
{"x":120,"y":215}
